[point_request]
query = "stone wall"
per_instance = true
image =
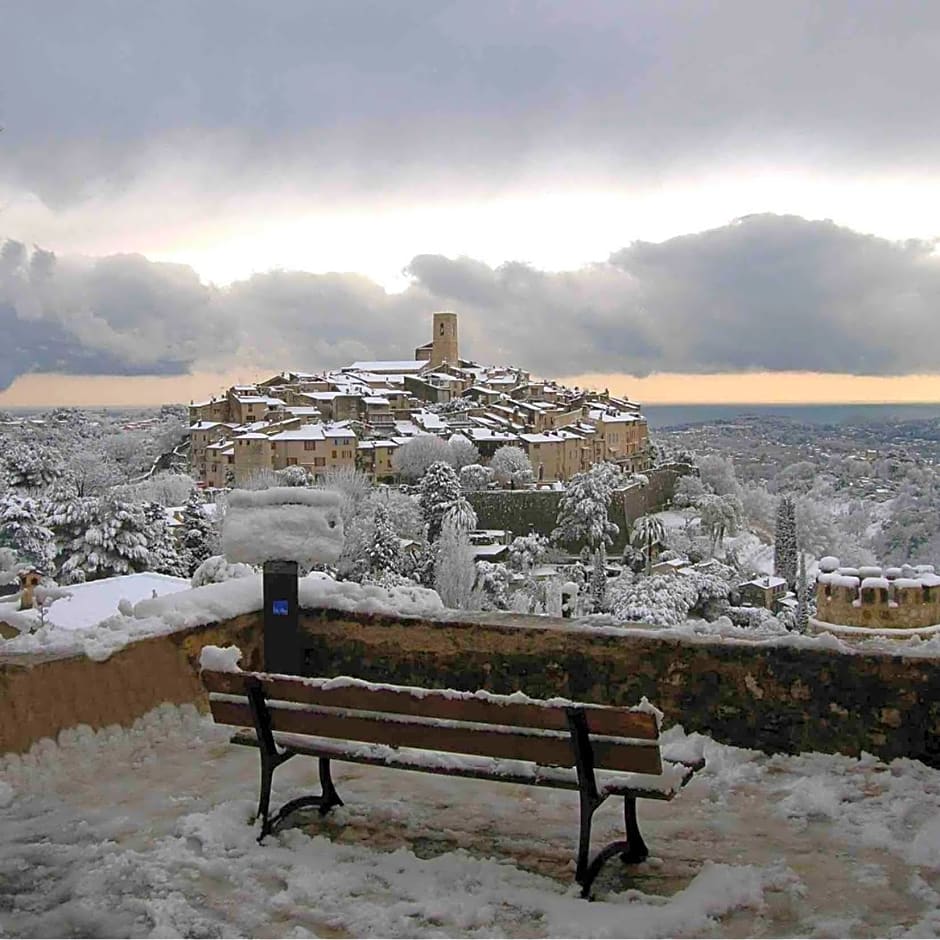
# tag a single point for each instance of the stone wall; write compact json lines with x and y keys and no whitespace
{"x":522,"y":511}
{"x":42,"y":694}
{"x":770,"y":698}
{"x":775,"y":698}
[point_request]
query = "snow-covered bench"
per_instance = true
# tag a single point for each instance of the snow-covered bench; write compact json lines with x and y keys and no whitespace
{"x":599,"y":751}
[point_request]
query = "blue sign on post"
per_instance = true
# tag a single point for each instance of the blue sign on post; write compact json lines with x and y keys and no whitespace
{"x":279,"y":608}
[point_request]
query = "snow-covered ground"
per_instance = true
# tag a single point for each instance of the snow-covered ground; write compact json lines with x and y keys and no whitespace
{"x":159,"y":845}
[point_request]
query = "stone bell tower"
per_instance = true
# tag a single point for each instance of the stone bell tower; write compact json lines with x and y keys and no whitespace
{"x":444,"y":342}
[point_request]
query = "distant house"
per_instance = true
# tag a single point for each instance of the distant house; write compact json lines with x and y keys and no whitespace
{"x":672,"y":566}
{"x":764,"y":591}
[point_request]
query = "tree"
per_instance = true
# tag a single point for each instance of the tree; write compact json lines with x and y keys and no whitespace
{"x":30,"y":467}
{"x":785,"y":542}
{"x":384,"y":551}
{"x":527,"y":551}
{"x":802,"y":602}
{"x":599,"y":578}
{"x":115,"y":543}
{"x":492,"y":584}
{"x":647,"y":531}
{"x":689,"y":489}
{"x":164,"y":554}
{"x":196,"y":534}
{"x":22,"y":529}
{"x":461,"y":514}
{"x":454,"y":570}
{"x":413,"y":458}
{"x":583,"y":509}
{"x":438,"y":491}
{"x":510,"y":465}
{"x":217,"y":569}
{"x":475,"y":477}
{"x":720,"y":515}
{"x":292,"y":476}
{"x":717,"y":473}
{"x":463,"y":452}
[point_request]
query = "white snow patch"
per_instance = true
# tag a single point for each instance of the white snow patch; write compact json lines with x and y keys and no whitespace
{"x":284,"y":523}
{"x":220,"y":658}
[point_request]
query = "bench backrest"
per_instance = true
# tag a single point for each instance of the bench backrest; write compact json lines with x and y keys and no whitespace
{"x":511,"y":727}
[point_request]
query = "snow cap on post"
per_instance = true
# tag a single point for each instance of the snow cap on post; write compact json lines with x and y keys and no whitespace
{"x":285,"y":523}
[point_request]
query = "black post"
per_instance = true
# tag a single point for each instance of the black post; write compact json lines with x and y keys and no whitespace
{"x":281,"y":631}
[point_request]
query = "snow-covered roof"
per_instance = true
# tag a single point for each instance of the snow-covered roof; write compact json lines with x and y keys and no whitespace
{"x":765,"y":581}
{"x":390,"y":365}
{"x":309,"y":432}
{"x":375,"y":400}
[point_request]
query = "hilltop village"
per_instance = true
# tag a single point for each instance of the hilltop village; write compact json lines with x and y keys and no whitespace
{"x":359,"y":415}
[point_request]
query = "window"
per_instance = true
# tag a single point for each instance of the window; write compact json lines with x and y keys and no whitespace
{"x":291,"y":461}
{"x":310,"y":445}
{"x":334,"y":455}
{"x":442,"y":328}
{"x":319,"y":461}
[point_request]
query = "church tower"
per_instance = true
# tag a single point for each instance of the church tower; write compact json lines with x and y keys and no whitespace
{"x":444,"y":343}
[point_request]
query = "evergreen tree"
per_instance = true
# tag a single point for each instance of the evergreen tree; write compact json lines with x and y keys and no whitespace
{"x":583,"y":510}
{"x":785,"y":544}
{"x":384,"y":550}
{"x":599,"y":578}
{"x":164,"y":554}
{"x":438,"y":491}
{"x":196,"y":537}
{"x":115,"y":543}
{"x":22,"y":529}
{"x":70,"y":516}
{"x":454,"y":569}
{"x":802,"y":602}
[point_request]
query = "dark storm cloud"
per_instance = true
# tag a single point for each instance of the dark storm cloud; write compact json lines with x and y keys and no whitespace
{"x":763,"y":293}
{"x":342,"y":94}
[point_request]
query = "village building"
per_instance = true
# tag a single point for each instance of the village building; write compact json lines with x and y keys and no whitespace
{"x":358,"y":415}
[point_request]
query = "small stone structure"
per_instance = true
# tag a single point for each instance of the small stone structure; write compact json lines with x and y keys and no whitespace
{"x":906,"y":598}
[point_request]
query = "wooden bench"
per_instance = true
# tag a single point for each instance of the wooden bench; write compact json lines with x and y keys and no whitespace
{"x":599,"y":751}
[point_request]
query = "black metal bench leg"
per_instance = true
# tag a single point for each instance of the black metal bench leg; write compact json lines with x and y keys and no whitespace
{"x":329,"y":797}
{"x":637,"y":851}
{"x":584,"y":842}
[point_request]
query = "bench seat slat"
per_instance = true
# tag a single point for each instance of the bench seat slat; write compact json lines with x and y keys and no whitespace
{"x":403,"y":700}
{"x":663,"y":786}
{"x":541,"y":747}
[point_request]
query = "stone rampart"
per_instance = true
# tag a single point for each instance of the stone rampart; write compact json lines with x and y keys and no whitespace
{"x":771,"y":697}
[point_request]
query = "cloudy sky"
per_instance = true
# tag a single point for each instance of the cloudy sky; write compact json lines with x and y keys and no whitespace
{"x":685,"y":200}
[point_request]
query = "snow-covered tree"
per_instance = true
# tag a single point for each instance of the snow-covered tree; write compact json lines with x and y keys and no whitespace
{"x":511,"y":466}
{"x":785,"y":541}
{"x":599,"y":578}
{"x":688,"y":490}
{"x":454,"y":569}
{"x":195,"y":534}
{"x":720,"y":515}
{"x":30,"y":467}
{"x":115,"y":543}
{"x":802,"y":602}
{"x":92,"y":471}
{"x":384,"y":551}
{"x":23,"y":529}
{"x":718,"y":475}
{"x":413,"y":458}
{"x":668,"y":600}
{"x":527,"y":551}
{"x":583,"y":510}
{"x":463,"y":452}
{"x":646,"y":533}
{"x":493,"y":581}
{"x":460,"y":514}
{"x":438,"y":491}
{"x":292,"y":476}
{"x":475,"y":477}
{"x":164,"y":553}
